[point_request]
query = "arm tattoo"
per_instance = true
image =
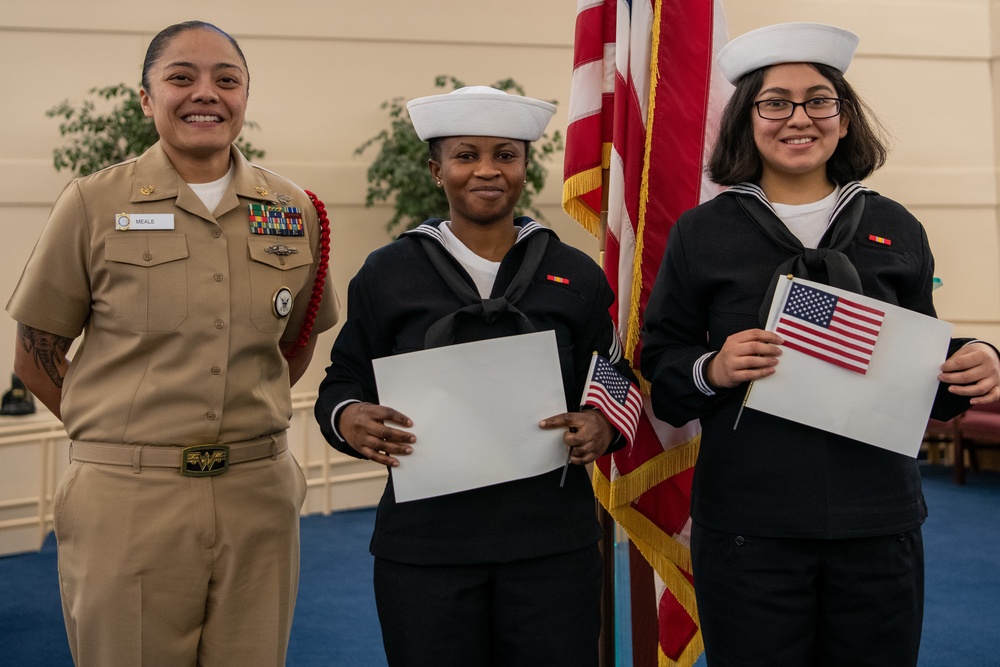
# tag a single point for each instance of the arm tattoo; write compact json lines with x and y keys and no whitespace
{"x":48,"y":350}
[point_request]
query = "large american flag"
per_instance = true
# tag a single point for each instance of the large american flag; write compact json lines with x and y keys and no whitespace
{"x":614,"y":395}
{"x":644,"y":108}
{"x":828,"y":327}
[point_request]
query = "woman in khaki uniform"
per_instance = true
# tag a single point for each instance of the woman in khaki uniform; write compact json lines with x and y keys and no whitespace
{"x":191,"y":274}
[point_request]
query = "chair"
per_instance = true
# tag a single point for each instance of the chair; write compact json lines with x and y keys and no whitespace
{"x":939,"y":436}
{"x":977,"y":428}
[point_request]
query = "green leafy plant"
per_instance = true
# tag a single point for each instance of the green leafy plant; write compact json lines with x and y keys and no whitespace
{"x":399,"y":171}
{"x":99,"y":140}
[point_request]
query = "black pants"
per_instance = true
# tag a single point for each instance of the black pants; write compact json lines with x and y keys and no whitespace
{"x":774,"y":602}
{"x":542,"y":611}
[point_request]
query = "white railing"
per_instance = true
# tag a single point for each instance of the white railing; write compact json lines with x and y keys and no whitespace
{"x":29,"y":468}
{"x":33,"y":455}
{"x":334,"y":481}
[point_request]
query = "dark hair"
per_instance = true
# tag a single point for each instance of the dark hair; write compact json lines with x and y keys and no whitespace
{"x":735,"y":158}
{"x":164,"y":37}
{"x":435,"y":146}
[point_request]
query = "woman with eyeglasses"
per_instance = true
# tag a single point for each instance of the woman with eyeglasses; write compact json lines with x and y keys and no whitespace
{"x":806,"y":545}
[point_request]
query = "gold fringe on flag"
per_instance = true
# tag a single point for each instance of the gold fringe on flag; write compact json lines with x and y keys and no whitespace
{"x":632,"y":336}
{"x":691,"y":653}
{"x":580,"y":184}
{"x":663,"y":466}
{"x":665,"y":553}
{"x":575,"y":187}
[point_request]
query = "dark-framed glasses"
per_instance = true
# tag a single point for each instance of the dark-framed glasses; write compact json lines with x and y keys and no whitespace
{"x":816,"y":108}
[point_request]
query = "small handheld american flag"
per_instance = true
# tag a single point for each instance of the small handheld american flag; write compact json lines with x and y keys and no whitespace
{"x":834,"y":329}
{"x":615,"y":396}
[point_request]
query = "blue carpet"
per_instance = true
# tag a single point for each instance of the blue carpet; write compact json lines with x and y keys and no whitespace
{"x":962,"y":564}
{"x":335,"y":618}
{"x":336,"y":623}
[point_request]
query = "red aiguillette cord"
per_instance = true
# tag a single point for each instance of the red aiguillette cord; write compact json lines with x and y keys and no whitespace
{"x":317,"y":293}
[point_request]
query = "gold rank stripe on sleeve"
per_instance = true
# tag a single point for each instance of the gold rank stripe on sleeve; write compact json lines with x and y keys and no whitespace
{"x":276,"y":220}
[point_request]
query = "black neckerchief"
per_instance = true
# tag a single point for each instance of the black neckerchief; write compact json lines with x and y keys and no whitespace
{"x":442,"y":332}
{"x":826,"y":264}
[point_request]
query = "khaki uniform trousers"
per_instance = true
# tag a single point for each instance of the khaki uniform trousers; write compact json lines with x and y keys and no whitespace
{"x":158,"y":569}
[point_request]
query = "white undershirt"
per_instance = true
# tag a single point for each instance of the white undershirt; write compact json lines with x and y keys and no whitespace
{"x":482,"y":270}
{"x":211,"y":194}
{"x":808,"y":221}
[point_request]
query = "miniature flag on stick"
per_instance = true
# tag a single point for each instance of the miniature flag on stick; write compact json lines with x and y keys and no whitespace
{"x":614,"y":395}
{"x":617,"y":398}
{"x":828,"y":327}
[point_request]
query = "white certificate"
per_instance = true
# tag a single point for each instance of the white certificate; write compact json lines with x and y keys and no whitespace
{"x":475,"y":409}
{"x":887,"y":406}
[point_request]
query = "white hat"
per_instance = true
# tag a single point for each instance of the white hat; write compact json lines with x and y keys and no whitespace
{"x":479,"y":111}
{"x":788,"y":43}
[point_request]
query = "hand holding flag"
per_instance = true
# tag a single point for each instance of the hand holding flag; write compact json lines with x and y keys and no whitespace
{"x":615,"y":396}
{"x":855,"y":366}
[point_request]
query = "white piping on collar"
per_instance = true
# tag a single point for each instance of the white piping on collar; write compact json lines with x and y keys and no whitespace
{"x":433,"y":231}
{"x":847,"y":193}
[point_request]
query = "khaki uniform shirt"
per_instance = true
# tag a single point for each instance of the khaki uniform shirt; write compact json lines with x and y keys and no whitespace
{"x":181,"y":329}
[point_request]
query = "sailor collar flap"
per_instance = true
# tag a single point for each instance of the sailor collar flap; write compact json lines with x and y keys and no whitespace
{"x":443,"y":332}
{"x":828,"y":263}
{"x":431,"y":228}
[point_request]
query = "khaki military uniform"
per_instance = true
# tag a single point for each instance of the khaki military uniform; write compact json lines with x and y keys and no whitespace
{"x":182,"y":324}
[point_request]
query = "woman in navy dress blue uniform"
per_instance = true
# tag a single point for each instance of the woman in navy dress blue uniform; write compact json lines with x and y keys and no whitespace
{"x":806,"y":546}
{"x":507,"y":574}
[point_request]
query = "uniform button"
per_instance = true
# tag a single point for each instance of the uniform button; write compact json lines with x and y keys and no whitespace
{"x":281,"y":260}
{"x":216,"y":370}
{"x":210,"y":416}
{"x":218,"y":277}
{"x":216,"y":233}
{"x":219,"y":324}
{"x":740,"y":540}
{"x":901,"y":537}
{"x":147,"y":256}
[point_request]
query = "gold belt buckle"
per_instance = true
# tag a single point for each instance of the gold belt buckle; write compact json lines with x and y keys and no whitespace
{"x":204,"y":460}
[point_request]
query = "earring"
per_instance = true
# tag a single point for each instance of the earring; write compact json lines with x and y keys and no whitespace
{"x":439,"y":183}
{"x":525,"y":181}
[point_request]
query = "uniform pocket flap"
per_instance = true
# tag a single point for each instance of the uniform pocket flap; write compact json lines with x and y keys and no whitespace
{"x":281,"y":254}
{"x":145,"y":248}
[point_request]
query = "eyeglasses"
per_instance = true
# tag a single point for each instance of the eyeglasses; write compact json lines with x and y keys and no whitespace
{"x":817,"y":108}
